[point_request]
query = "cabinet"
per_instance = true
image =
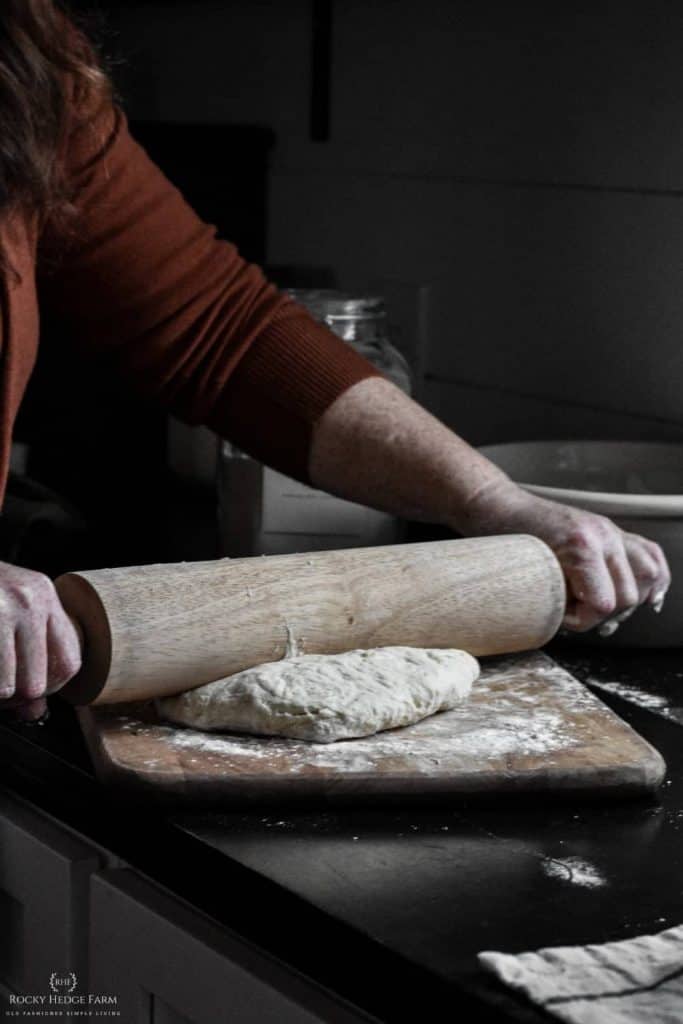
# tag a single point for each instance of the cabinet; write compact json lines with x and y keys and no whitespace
{"x":75,"y":919}
{"x":168,"y":964}
{"x":44,"y":893}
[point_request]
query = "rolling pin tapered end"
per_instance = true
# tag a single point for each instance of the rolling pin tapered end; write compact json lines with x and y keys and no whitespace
{"x":83,"y":605}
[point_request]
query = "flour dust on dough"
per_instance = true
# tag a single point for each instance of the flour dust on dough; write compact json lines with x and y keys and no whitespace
{"x":328,"y":697}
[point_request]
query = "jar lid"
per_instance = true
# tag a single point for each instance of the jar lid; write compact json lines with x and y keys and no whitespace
{"x":331,"y":305}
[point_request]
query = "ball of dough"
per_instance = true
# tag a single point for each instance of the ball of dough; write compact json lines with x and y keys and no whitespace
{"x":328,"y":697}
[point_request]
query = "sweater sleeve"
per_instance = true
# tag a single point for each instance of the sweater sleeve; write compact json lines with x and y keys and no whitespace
{"x":145,"y":284}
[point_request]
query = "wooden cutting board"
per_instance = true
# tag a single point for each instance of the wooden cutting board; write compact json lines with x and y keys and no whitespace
{"x":528,"y":727}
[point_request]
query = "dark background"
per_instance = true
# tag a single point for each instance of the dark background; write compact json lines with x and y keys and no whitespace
{"x":511,"y":174}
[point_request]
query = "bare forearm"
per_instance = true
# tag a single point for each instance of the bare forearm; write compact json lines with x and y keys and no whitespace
{"x":376,"y":446}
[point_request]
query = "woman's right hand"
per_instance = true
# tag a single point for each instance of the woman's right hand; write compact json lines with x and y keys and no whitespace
{"x":609,"y":573}
{"x":39,"y":646}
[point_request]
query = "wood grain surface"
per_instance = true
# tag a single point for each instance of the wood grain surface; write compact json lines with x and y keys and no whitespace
{"x":161,"y":629}
{"x":528,"y":727}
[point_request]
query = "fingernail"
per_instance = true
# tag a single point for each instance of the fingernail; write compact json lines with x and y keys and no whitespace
{"x":658,"y":601}
{"x":608,"y":628}
{"x":571,"y":620}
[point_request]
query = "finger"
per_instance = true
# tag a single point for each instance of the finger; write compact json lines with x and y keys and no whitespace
{"x":32,"y":711}
{"x":627,"y":593}
{"x":650,"y":567}
{"x":31,"y":651}
{"x":580,"y":617}
{"x":63,"y":651}
{"x":645,"y":567}
{"x":8,"y":664}
{"x":591,"y":591}
{"x":661,"y":587}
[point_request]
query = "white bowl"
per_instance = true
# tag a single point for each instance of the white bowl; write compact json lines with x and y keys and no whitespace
{"x":637,"y":484}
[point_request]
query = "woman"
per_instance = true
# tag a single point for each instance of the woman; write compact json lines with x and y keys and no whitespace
{"x":91,"y":230}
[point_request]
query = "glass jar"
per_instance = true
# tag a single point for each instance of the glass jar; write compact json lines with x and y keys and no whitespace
{"x":262,"y":511}
{"x":361,"y":321}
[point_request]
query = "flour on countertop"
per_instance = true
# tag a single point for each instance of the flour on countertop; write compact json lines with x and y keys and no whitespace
{"x":521,"y":734}
{"x":641,"y":698}
{"x":573,"y":870}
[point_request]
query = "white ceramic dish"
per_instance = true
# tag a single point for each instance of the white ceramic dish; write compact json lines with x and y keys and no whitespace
{"x":637,"y":484}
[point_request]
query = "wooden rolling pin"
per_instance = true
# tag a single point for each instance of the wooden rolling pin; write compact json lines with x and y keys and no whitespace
{"x":155,"y":630}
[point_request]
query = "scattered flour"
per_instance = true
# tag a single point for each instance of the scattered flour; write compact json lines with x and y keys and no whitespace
{"x":503,"y":726}
{"x":573,"y":870}
{"x":517,"y":736}
{"x":641,"y":698}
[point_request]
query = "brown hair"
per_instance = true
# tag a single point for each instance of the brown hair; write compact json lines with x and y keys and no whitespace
{"x":46,"y":59}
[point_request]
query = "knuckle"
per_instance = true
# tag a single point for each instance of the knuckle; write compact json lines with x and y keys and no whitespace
{"x":605,"y":605}
{"x":31,"y":591}
{"x":647,"y":572}
{"x":605,"y":526}
{"x":34,"y":688}
{"x":582,"y":539}
{"x":589,"y":528}
{"x":44,"y":588}
{"x":580,"y":534}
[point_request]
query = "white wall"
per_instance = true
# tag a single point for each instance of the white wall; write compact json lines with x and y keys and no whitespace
{"x":523,"y":160}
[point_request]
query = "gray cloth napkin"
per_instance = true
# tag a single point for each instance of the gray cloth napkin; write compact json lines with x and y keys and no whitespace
{"x":635,"y":981}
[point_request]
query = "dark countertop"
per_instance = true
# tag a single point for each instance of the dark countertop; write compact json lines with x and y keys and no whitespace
{"x":406,"y":898}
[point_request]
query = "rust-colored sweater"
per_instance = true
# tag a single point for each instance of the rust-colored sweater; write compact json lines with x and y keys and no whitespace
{"x":146,"y":286}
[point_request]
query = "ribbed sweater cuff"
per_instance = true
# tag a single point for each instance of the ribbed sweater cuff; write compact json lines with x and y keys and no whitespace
{"x":293,"y":371}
